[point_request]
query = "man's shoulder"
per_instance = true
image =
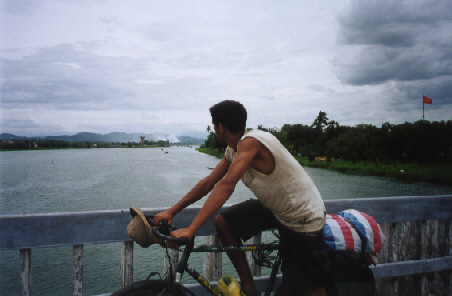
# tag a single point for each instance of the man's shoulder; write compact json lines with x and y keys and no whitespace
{"x":248,"y":143}
{"x":253,"y":132}
{"x":258,"y":136}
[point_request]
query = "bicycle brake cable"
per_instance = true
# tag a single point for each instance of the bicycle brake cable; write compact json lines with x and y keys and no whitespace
{"x":152,"y":274}
{"x":170,"y":269}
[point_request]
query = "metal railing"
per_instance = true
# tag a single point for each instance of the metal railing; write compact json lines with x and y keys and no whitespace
{"x":415,"y":261}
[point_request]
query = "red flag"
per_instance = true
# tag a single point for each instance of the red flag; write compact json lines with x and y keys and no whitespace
{"x":426,"y":100}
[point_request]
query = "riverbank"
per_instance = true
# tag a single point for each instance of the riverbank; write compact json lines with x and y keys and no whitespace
{"x":100,"y":146}
{"x":409,"y":172}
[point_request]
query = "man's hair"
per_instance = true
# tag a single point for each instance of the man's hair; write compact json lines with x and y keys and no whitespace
{"x":231,"y":114}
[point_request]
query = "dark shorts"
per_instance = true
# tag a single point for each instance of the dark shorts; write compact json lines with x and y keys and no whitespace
{"x":248,"y":218}
{"x":305,"y":260}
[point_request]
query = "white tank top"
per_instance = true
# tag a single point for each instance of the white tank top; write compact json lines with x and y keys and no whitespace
{"x":288,"y":191}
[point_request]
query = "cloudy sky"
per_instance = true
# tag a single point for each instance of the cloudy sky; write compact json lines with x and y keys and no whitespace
{"x":157,"y":66}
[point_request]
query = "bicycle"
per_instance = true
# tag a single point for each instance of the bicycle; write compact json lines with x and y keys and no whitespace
{"x":173,"y":286}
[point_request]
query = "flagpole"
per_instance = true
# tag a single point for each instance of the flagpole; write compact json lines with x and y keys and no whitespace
{"x":423,"y":106}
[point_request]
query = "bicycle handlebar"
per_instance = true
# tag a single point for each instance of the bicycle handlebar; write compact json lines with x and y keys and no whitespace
{"x":163,"y":230}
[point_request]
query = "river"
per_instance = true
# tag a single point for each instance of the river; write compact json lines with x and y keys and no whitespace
{"x":107,"y":179}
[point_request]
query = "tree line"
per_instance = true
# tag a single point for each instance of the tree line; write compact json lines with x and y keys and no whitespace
{"x":421,"y":142}
{"x":31,"y":144}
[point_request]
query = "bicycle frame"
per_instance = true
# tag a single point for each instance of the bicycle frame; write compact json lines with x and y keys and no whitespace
{"x":184,"y":266}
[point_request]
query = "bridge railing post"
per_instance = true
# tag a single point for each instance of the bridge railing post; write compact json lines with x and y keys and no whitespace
{"x":170,"y":261}
{"x":77,"y":270}
{"x":126,"y":263}
{"x":212,"y":267}
{"x":255,"y":268}
{"x":25,"y":272}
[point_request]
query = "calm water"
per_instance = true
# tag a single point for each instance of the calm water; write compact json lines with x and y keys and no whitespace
{"x":106,"y":179}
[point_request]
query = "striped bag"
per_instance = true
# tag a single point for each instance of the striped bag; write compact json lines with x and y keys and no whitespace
{"x":353,"y":231}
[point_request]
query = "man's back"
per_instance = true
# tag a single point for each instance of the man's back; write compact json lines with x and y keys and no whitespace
{"x":288,"y":191}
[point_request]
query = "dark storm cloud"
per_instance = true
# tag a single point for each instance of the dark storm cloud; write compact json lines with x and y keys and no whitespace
{"x":19,"y":7}
{"x":393,"y":23}
{"x":20,"y":124}
{"x":62,"y":77}
{"x":65,"y":77}
{"x":439,"y":89}
{"x":406,"y":42}
{"x":379,"y":64}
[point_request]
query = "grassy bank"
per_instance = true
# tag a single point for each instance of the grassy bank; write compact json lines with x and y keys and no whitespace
{"x":410,"y":172}
{"x":211,"y":152}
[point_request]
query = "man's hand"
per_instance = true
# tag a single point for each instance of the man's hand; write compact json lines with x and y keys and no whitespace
{"x":163,"y":216}
{"x":180,"y":233}
{"x":183,"y":233}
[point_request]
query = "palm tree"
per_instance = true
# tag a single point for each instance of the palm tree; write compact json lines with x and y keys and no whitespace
{"x":208,"y":129}
{"x":320,"y":122}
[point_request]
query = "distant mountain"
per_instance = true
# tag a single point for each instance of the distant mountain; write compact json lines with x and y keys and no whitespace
{"x":11,"y":137}
{"x":191,"y":140}
{"x":115,"y":137}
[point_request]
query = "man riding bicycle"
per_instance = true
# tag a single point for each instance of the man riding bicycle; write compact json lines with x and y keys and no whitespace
{"x":287,"y":199}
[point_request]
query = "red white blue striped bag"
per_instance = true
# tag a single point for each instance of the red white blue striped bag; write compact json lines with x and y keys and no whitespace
{"x":353,"y":231}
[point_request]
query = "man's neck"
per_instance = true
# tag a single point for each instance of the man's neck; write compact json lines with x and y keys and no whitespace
{"x":233,"y":140}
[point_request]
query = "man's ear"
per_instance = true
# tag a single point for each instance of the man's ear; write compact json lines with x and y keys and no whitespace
{"x":221,"y":127}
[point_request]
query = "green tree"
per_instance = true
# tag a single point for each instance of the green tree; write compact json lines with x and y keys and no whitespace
{"x":320,"y":122}
{"x":212,"y":142}
{"x":349,"y":146}
{"x":297,"y":138}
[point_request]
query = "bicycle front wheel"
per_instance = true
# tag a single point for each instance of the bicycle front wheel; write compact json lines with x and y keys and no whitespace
{"x":151,"y":288}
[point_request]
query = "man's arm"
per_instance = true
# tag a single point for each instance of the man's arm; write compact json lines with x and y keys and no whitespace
{"x":196,"y":193}
{"x":246,"y":152}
